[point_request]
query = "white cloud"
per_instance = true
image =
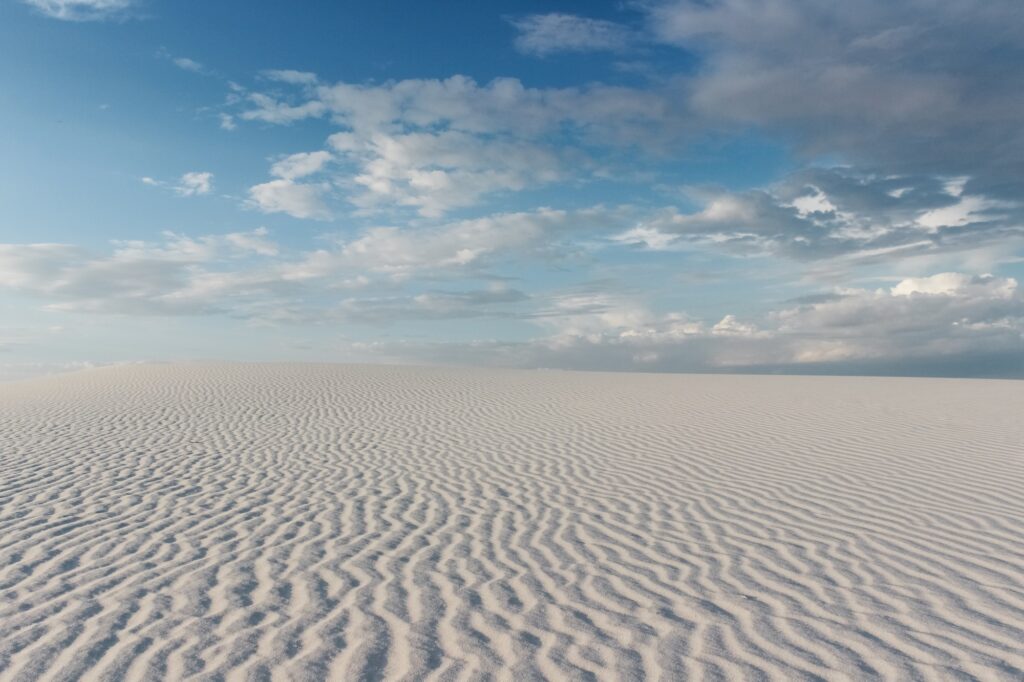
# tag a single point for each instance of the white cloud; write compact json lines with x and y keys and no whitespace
{"x":81,"y":10}
{"x":957,"y":284}
{"x":817,"y":202}
{"x":186,"y":64}
{"x":181,"y":248}
{"x":136,"y":277}
{"x":436,"y":145}
{"x":33,"y":265}
{"x":969,"y":209}
{"x":290,"y":76}
{"x":731,"y":326}
{"x":245,"y":273}
{"x":299,"y":200}
{"x":974,"y":326}
{"x":545,"y":34}
{"x":193,"y":183}
{"x":255,"y":242}
{"x":467,"y":243}
{"x":271,"y":111}
{"x":648,"y":236}
{"x":436,"y":172}
{"x":467,"y":246}
{"x":920,"y":324}
{"x":941,"y":315}
{"x":190,"y":184}
{"x":300,"y":165}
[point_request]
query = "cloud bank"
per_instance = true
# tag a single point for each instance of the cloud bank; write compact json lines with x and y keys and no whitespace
{"x":892,"y":238}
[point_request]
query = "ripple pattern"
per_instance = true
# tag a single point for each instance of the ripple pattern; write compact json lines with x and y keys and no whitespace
{"x":327,"y":522}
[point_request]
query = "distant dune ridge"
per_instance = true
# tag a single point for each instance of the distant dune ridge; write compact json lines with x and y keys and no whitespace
{"x":353,"y":522}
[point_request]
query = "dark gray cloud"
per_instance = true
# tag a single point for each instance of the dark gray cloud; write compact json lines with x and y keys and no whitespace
{"x":920,"y":87}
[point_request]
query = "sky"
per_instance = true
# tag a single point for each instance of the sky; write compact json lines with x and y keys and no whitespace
{"x":783,"y":186}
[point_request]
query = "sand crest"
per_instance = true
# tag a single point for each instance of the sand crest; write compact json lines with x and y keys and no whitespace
{"x":348,"y":522}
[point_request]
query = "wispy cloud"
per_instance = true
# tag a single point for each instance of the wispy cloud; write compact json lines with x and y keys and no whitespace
{"x":82,"y":10}
{"x":545,"y":34}
{"x":193,"y":183}
{"x":186,"y":64}
{"x":183,"y":63}
{"x":290,"y":76}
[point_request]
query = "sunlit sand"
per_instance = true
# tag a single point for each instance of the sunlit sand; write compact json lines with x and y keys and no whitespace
{"x":356,"y":522}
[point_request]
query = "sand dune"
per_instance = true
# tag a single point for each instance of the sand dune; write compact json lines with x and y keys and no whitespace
{"x":338,"y":522}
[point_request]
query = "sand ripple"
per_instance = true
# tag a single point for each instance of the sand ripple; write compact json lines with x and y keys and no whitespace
{"x":331,"y":522}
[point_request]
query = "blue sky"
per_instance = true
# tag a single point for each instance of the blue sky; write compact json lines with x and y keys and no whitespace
{"x":735,"y":185}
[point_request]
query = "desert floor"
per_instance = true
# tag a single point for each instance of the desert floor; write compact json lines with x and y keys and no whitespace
{"x":353,"y":522}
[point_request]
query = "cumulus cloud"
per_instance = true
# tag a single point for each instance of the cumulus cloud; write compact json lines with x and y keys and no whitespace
{"x":136,"y":277}
{"x":545,"y":34}
{"x":931,"y":89}
{"x":299,"y":200}
{"x":285,"y":195}
{"x":82,"y":10}
{"x":916,"y":96}
{"x":437,"y":145}
{"x":947,"y":315}
{"x":436,"y":172}
{"x":960,"y":325}
{"x":193,"y":183}
{"x":916,"y":105}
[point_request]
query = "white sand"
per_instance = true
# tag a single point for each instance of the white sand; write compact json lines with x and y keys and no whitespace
{"x":334,"y":522}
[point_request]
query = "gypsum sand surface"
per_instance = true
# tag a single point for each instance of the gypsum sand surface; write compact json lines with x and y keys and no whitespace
{"x":236,"y":521}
